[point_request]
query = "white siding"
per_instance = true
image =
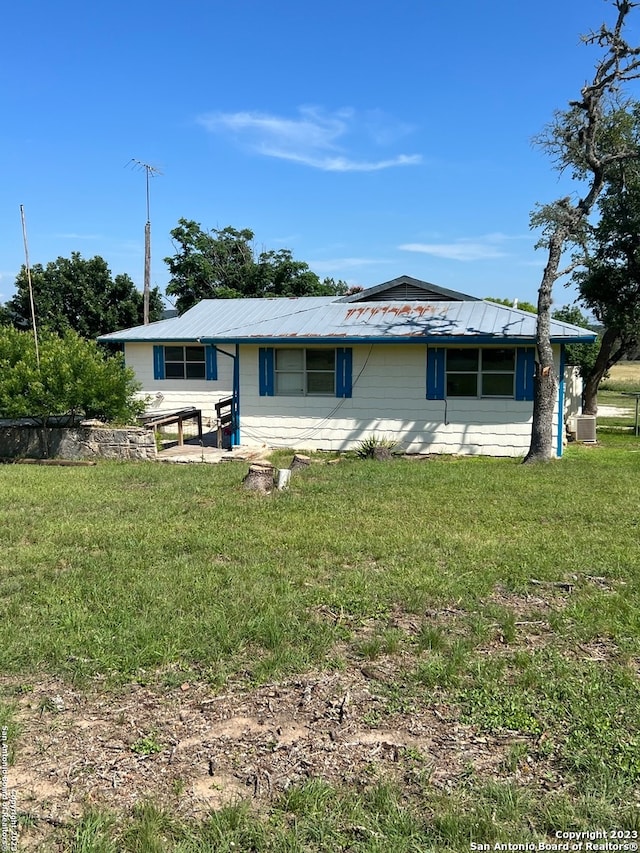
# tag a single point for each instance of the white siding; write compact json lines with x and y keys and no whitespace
{"x":167,"y":394}
{"x":389,"y":399}
{"x":572,"y":391}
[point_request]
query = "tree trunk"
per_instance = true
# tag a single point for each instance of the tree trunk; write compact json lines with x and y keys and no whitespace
{"x":545,"y":383}
{"x":602,"y":364}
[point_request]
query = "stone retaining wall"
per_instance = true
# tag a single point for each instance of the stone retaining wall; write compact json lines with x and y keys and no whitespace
{"x":80,"y":442}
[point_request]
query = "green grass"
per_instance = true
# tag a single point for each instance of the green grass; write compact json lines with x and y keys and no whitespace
{"x":135,"y":571}
{"x":123,"y":568}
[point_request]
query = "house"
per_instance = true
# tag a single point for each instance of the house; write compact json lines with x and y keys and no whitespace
{"x":436,"y":370}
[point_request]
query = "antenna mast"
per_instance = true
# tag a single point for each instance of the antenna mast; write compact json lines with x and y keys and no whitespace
{"x":28,"y":269}
{"x":150,"y":171}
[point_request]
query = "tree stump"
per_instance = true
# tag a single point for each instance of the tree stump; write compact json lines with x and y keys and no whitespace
{"x":259,"y":477}
{"x":300,"y":461}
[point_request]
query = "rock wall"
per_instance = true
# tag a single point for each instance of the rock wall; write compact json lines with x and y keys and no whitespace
{"x":79,"y":442}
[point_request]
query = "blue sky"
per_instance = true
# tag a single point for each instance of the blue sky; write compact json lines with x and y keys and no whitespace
{"x":372,"y":139}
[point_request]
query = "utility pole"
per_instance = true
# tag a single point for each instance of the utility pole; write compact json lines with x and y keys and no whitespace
{"x":150,"y":171}
{"x":28,"y":269}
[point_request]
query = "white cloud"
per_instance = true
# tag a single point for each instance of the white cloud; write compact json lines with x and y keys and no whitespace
{"x":314,"y":138}
{"x":78,"y":236}
{"x":337,"y":265}
{"x":464,"y":249}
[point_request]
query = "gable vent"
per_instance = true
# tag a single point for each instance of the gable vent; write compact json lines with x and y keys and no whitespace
{"x":406,"y":292}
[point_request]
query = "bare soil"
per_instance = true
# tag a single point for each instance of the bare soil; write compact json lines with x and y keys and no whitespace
{"x":193,"y":750}
{"x":81,"y":749}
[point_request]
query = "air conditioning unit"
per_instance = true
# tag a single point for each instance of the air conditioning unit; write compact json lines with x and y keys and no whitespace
{"x":582,"y":427}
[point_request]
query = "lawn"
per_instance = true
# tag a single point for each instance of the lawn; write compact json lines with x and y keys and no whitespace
{"x":410,"y":656}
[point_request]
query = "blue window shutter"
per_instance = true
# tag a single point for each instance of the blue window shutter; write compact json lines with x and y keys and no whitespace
{"x":344,"y":371}
{"x":266,"y":371}
{"x":435,"y":373}
{"x":211,"y":362}
{"x":525,"y":372}
{"x":158,"y":361}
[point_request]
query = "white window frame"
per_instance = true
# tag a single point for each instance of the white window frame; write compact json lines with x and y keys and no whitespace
{"x":304,"y":373}
{"x":479,"y":373}
{"x":184,"y":362}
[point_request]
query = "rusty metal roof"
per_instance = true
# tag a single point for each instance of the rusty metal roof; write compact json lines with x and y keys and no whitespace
{"x":327,"y":318}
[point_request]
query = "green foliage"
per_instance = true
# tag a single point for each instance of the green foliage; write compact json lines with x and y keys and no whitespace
{"x":582,"y":355}
{"x":222,"y":264}
{"x":609,"y":280}
{"x":75,"y":377}
{"x":366,"y":449}
{"x":587,"y":710}
{"x":79,"y":294}
{"x":147,"y":744}
{"x":609,"y":283}
{"x":510,"y":303}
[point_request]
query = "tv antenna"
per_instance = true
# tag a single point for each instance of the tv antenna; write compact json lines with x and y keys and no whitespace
{"x":150,"y":172}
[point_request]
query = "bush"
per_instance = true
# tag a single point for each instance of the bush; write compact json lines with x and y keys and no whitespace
{"x":75,"y":377}
{"x":368,"y":446}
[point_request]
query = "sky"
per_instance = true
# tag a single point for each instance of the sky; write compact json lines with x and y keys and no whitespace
{"x":372,"y":139}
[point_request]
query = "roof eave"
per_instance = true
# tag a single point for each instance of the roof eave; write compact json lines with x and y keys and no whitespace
{"x":441,"y":340}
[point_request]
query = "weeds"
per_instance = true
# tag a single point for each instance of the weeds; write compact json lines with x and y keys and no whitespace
{"x":370,"y":447}
{"x":147,"y":744}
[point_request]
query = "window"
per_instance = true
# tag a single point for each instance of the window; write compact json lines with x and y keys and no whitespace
{"x":480,"y":372}
{"x":305,"y":372}
{"x":184,"y":362}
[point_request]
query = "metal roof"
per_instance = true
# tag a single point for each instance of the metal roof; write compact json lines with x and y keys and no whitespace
{"x":325,"y":318}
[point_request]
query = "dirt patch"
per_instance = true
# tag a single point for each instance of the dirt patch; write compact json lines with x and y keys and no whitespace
{"x":194,"y":751}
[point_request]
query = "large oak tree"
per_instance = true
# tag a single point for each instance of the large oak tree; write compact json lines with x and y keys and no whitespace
{"x":79,"y":294}
{"x":223,"y":264}
{"x":609,"y":283}
{"x":585,"y":140}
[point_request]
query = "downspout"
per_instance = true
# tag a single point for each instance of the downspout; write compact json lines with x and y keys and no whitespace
{"x":560,"y":444}
{"x":235,"y":435}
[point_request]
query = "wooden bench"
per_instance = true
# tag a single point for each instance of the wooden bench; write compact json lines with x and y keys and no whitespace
{"x":154,"y":420}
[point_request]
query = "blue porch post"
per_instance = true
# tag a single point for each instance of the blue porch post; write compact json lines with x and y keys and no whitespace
{"x":235,"y":435}
{"x":560,"y":442}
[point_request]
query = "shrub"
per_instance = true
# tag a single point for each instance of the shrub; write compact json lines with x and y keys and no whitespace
{"x":368,"y":446}
{"x":75,"y":377}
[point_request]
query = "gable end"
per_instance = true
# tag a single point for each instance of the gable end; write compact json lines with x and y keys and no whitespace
{"x":407,"y":289}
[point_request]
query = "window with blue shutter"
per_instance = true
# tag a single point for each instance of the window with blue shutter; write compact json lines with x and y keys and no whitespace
{"x":305,"y":372}
{"x":177,"y":361}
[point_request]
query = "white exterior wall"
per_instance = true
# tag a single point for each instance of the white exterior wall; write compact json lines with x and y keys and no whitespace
{"x":572,"y":391}
{"x":167,"y":394}
{"x":389,"y":399}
